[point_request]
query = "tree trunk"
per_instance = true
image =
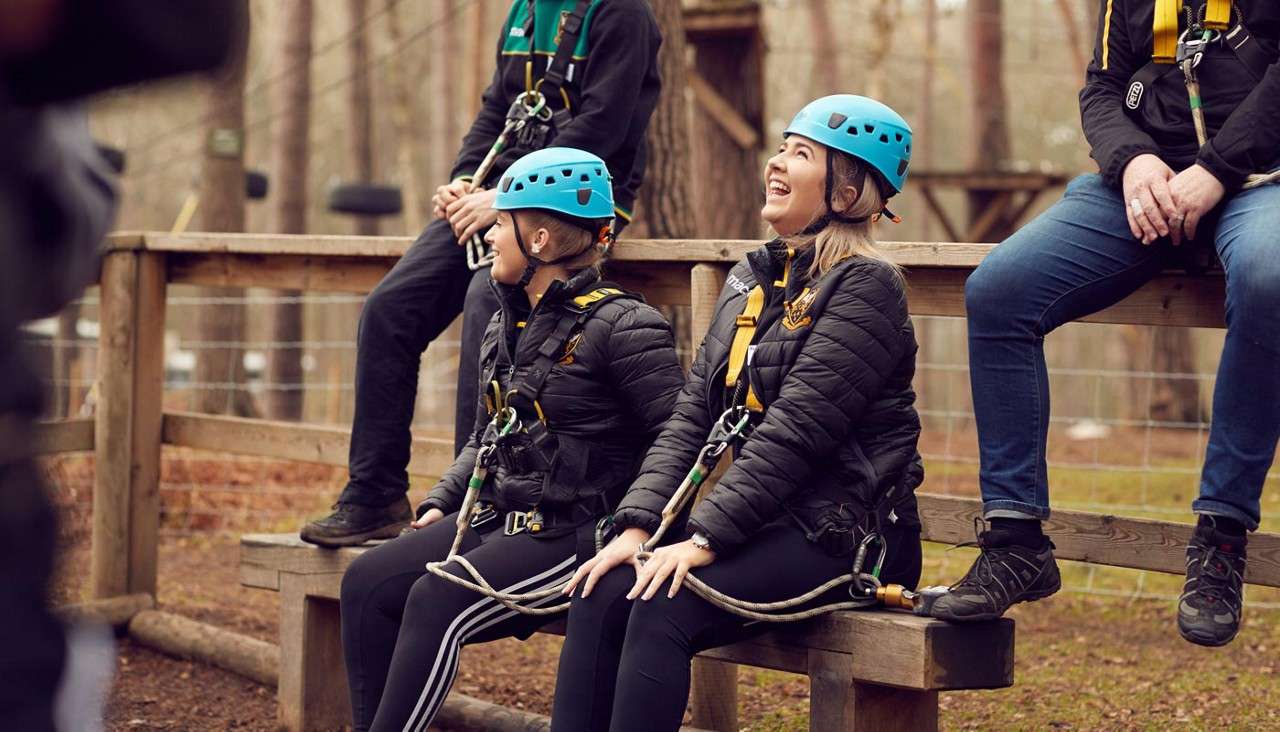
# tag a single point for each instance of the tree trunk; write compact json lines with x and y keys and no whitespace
{"x":826,"y":62}
{"x":360,"y":104}
{"x":444,"y":73}
{"x":479,"y":60}
{"x":884,"y":14}
{"x":666,"y":198}
{"x":292,"y":96}
{"x":222,"y":201}
{"x":402,"y":122}
{"x":989,"y":141}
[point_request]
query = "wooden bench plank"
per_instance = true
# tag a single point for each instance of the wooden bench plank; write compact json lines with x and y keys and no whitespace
{"x":66,"y":435}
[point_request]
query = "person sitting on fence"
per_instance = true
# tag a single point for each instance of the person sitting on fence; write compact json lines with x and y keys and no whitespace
{"x":810,"y":355}
{"x":578,"y":377}
{"x":1174,"y":177}
{"x":574,"y":73}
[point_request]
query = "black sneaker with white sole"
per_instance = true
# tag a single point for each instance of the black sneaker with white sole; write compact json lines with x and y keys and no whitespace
{"x":352,"y":525}
{"x":1004,"y":573}
{"x":1212,"y":599}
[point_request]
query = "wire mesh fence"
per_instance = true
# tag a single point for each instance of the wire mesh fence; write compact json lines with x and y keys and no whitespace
{"x":1111,"y":447}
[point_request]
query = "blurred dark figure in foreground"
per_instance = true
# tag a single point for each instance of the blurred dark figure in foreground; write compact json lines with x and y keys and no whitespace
{"x":57,"y":201}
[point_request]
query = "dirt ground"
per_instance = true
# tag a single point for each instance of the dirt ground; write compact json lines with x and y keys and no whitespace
{"x":1083,"y":662}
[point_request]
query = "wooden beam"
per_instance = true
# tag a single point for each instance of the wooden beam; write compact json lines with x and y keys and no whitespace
{"x":721,"y":110}
{"x":296,"y":272}
{"x":430,"y":456}
{"x":127,"y":434}
{"x":68,"y":435}
{"x":991,"y":216}
{"x":1028,"y":181}
{"x":114,"y":611}
{"x":186,"y":638}
{"x":742,"y":18}
{"x":938,"y":212}
{"x":1158,"y":546}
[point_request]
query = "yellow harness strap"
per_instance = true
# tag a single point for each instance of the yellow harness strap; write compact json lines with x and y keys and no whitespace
{"x":742,"y":337}
{"x":595,"y":296}
{"x":1217,"y":16}
{"x":1165,"y":29}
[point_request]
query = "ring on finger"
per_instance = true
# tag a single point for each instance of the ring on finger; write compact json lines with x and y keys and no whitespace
{"x":1135,"y":205}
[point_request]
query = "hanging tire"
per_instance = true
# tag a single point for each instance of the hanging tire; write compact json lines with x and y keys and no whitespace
{"x":255,"y":185}
{"x":365,"y":199}
{"x":114,"y":156}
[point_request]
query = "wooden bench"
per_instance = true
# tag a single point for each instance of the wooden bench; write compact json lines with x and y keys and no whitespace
{"x":870,"y":670}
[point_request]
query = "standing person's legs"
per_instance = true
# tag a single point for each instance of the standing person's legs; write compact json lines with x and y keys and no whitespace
{"x":1074,"y":259}
{"x":481,"y":304}
{"x":1246,"y":419}
{"x":417,"y":300}
{"x":440,"y":617}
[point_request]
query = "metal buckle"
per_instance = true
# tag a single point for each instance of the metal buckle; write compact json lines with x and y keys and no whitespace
{"x":520,"y":521}
{"x":482,"y":514}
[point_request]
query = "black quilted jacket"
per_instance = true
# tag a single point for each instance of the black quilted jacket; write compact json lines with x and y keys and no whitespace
{"x":605,"y":400}
{"x":840,"y":426}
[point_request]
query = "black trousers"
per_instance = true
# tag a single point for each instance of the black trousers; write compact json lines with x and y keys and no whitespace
{"x":418,"y":299}
{"x":403,"y":627}
{"x":625,"y":664}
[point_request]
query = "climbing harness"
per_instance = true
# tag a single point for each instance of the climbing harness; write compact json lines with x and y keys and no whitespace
{"x":507,"y":425}
{"x":732,"y":427}
{"x":1187,"y":50}
{"x":530,"y":118}
{"x":531,"y":105}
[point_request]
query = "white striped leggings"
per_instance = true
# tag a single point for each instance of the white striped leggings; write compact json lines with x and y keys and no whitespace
{"x":403,"y":627}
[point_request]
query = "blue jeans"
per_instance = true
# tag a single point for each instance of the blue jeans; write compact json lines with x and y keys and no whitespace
{"x":1078,"y":257}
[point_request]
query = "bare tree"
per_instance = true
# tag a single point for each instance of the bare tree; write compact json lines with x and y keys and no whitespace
{"x":826,"y":67}
{"x":989,"y":142}
{"x":291,"y":97}
{"x":222,"y":201}
{"x":884,"y":14}
{"x":402,"y":122}
{"x":666,"y":198}
{"x":360,"y":106}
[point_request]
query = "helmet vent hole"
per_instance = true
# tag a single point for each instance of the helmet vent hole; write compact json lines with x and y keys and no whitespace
{"x":884,"y":137}
{"x":519,"y":186}
{"x":902,"y":166}
{"x":869,"y":128}
{"x":506,"y":184}
{"x":584,"y":195}
{"x":852,"y":130}
{"x":897,"y":136}
{"x":907,"y":149}
{"x":550,"y":180}
{"x":836,"y":120}
{"x":584,"y":178}
{"x":533,"y":178}
{"x":568,"y":172}
{"x":598,"y":173}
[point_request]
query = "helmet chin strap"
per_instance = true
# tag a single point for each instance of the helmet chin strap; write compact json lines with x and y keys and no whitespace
{"x":830,"y":214}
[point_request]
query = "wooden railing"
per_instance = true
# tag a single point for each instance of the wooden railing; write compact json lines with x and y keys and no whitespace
{"x":130,"y":426}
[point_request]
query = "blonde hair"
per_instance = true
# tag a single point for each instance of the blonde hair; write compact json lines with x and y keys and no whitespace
{"x":565,"y":238}
{"x":840,"y":240}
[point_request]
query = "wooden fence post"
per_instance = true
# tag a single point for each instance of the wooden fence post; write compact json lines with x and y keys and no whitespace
{"x":126,"y":497}
{"x":713,"y":696}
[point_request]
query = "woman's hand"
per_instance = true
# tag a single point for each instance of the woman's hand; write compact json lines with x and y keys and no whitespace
{"x":1196,"y":191}
{"x":1148,"y":202}
{"x":622,"y":550}
{"x":430,"y":517}
{"x":676,"y":559}
{"x":472,"y":213}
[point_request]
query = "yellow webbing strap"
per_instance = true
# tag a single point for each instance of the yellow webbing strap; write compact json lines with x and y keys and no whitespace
{"x":1165,"y":28}
{"x":742,"y":337}
{"x":595,"y":296}
{"x":1217,"y":14}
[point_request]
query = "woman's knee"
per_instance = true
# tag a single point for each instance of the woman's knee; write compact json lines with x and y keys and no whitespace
{"x":997,"y":291}
{"x":361,"y":579}
{"x":1253,"y":294}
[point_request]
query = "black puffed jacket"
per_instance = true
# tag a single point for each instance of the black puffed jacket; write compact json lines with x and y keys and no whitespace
{"x":834,"y":375}
{"x":605,"y":399}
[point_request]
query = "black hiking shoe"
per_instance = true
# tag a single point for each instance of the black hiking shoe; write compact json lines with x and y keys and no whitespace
{"x":1003,"y":574}
{"x":1213,"y":596}
{"x":351,"y":525}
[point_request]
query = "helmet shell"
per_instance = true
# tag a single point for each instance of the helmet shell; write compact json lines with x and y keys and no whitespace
{"x":862,"y":127}
{"x":562,"y":179}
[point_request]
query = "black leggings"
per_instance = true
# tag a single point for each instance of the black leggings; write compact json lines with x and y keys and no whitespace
{"x":644,"y":649}
{"x":403,"y":627}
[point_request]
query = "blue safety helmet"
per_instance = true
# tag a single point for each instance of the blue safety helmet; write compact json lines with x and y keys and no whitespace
{"x":862,"y":127}
{"x":568,"y":183}
{"x":562,"y":180}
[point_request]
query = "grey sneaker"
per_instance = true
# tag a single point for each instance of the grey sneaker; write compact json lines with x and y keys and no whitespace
{"x":1213,"y":597}
{"x":1003,"y":574}
{"x":352,"y":525}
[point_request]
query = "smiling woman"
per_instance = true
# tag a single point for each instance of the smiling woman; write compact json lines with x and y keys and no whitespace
{"x":808,"y":361}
